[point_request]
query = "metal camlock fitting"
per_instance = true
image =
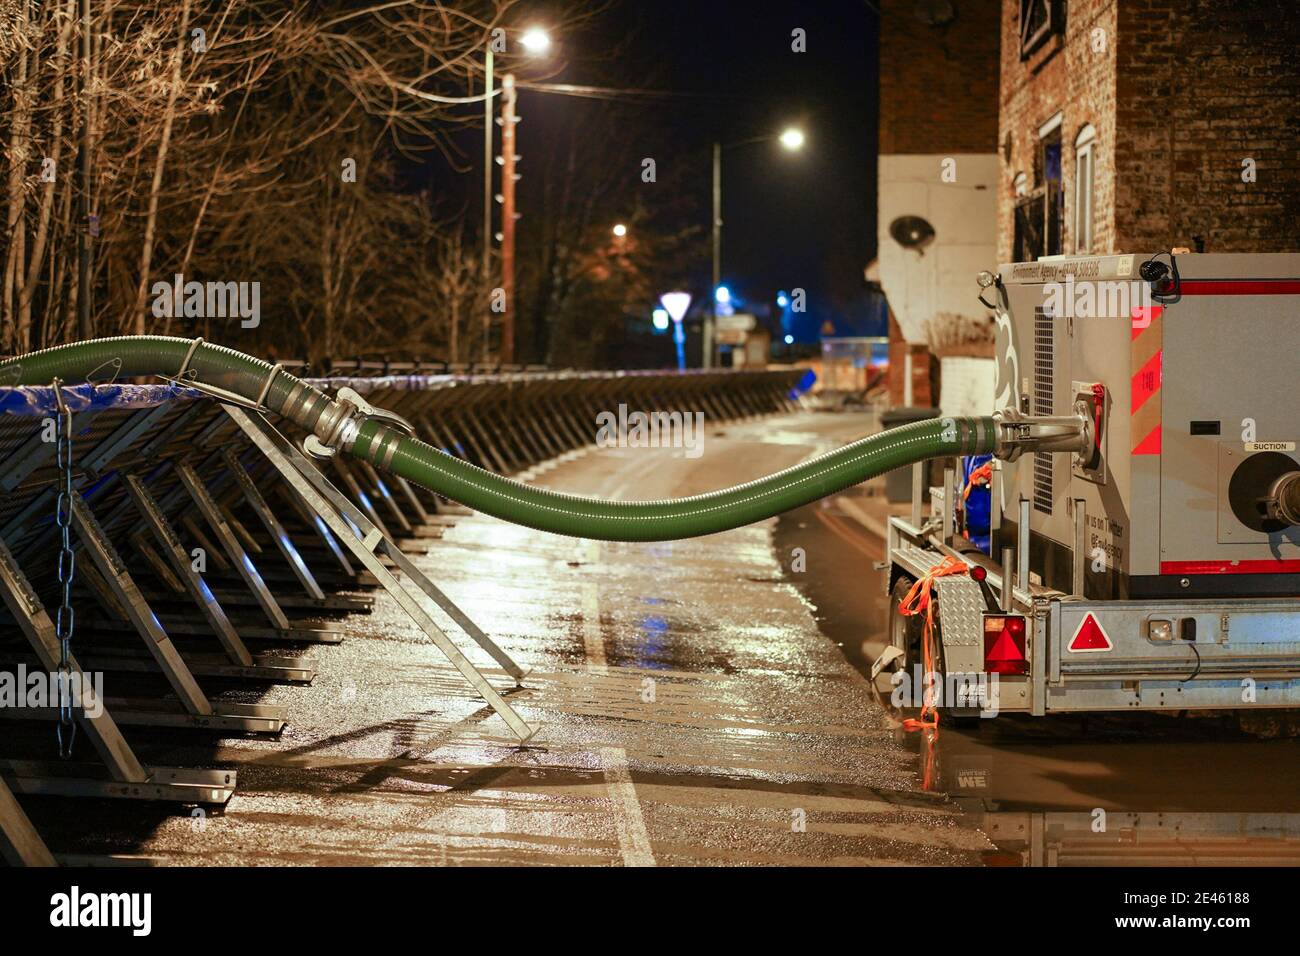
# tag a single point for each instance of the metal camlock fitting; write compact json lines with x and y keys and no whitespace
{"x":338,"y":425}
{"x":1019,"y":433}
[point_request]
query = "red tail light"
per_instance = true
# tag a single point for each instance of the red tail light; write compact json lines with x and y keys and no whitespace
{"x":1004,"y":644}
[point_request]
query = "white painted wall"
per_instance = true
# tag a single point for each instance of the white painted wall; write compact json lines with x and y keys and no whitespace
{"x":967,"y":385}
{"x":964,"y":217}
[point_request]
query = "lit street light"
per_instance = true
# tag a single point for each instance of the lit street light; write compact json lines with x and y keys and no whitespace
{"x":792,"y":139}
{"x":535,"y":41}
{"x":620,"y":230}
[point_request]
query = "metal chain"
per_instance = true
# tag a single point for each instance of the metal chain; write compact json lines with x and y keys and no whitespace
{"x":65,"y":621}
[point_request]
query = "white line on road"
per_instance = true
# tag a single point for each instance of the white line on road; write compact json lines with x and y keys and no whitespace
{"x":632,"y":836}
{"x":633,"y":839}
{"x":592,"y":638}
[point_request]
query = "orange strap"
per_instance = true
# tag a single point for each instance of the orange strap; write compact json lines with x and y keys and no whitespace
{"x":920,"y":598}
{"x":980,"y":476}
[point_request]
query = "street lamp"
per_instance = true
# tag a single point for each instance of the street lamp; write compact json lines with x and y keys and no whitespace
{"x":620,"y":230}
{"x":676,"y":304}
{"x":792,"y":139}
{"x":535,"y":41}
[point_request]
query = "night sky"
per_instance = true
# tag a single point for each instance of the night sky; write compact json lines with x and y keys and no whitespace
{"x":802,"y":219}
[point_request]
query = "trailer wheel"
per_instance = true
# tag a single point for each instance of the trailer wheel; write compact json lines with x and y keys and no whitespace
{"x":904,"y":631}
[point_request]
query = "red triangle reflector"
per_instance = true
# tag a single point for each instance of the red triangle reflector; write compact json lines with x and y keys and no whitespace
{"x":1090,"y":636}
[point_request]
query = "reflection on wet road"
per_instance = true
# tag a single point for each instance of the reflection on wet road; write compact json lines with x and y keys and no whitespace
{"x":1120,"y":790}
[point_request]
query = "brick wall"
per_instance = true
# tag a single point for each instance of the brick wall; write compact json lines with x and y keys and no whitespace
{"x":1202,"y":85}
{"x":1183,"y":91}
{"x":1075,"y":75}
{"x":938,"y":84}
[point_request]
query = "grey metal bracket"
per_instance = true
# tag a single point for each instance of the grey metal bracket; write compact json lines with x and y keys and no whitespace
{"x":262,"y":509}
{"x":198,"y":709}
{"x":363,"y":539}
{"x":183,"y":569}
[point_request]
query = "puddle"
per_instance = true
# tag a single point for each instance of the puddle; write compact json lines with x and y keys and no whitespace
{"x":1115,"y":790}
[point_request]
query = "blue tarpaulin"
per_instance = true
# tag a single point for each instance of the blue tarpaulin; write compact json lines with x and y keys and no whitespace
{"x":40,"y":399}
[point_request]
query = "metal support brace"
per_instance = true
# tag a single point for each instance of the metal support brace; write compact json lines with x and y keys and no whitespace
{"x":1022,"y":547}
{"x":258,"y":503}
{"x":128,"y":597}
{"x":1080,"y":564}
{"x":918,"y":491}
{"x":235,"y":552}
{"x":20,"y":844}
{"x":361,"y":498}
{"x":36,"y":625}
{"x":200,"y":711}
{"x":381,"y":489}
{"x":337,"y":512}
{"x":949,"y":502}
{"x":321,"y":528}
{"x":182,"y":567}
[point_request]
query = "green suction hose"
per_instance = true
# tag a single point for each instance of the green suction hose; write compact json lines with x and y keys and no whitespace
{"x":257,"y":381}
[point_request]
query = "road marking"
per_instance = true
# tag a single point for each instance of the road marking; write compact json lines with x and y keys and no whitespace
{"x":593,"y":640}
{"x":633,"y":839}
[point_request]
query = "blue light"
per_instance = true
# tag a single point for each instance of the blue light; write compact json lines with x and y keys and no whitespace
{"x":660,"y":319}
{"x":782,"y":299}
{"x":722,"y":295}
{"x":789,"y":340}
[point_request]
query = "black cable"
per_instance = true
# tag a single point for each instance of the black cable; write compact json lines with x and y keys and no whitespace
{"x":1198,"y":665}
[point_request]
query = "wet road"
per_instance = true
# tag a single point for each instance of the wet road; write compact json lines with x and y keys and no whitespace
{"x":691,"y":712}
{"x":700,"y":702}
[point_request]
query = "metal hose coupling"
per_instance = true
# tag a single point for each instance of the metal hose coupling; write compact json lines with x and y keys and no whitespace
{"x":340,"y":423}
{"x":1018,"y":433}
{"x":1283,"y":501}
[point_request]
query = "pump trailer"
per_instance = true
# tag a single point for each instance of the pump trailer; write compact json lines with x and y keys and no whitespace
{"x":1148,"y":556}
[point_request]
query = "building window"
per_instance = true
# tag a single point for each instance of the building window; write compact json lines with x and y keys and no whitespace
{"x":1084,"y":176}
{"x":1039,"y":19}
{"x":1040,"y":214}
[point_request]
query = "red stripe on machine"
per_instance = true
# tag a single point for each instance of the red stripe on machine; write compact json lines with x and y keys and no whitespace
{"x":1149,"y":445}
{"x":1146,"y":381}
{"x":1265,"y":566}
{"x":1239,"y":287}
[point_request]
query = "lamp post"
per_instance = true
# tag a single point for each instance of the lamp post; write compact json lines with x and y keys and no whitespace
{"x":791,"y":139}
{"x":535,"y":41}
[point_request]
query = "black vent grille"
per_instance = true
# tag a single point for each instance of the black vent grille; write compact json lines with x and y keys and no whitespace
{"x":1044,"y":402}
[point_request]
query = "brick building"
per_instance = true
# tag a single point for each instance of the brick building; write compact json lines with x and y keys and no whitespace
{"x":938,"y":105}
{"x":1134,"y":125}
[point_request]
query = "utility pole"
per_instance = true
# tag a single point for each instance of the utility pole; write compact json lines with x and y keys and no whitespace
{"x":487,"y":203}
{"x":508,"y":216}
{"x":84,"y":251}
{"x":710,"y":323}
